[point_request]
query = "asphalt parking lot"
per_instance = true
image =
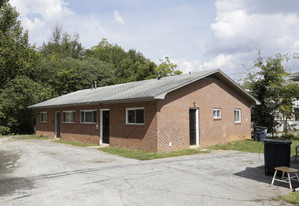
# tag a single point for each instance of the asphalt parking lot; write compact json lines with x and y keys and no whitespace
{"x":41,"y":172}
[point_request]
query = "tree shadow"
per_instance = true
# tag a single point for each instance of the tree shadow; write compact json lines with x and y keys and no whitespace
{"x":10,"y":185}
{"x":258,"y":174}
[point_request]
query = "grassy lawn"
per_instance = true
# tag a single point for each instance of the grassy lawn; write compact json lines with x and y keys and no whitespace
{"x":249,"y":146}
{"x":17,"y":135}
{"x":79,"y":144}
{"x":242,"y":145}
{"x":144,"y":155}
{"x":35,"y":137}
{"x":292,"y":197}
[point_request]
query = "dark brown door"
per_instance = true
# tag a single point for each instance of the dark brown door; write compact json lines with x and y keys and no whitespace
{"x":57,"y":124}
{"x":192,"y":123}
{"x":105,"y":127}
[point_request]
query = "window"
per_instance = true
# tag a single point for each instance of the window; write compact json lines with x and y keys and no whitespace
{"x":68,"y":116}
{"x":43,"y":117}
{"x":237,"y":115}
{"x":135,"y":116}
{"x":88,"y":116}
{"x":217,"y":113}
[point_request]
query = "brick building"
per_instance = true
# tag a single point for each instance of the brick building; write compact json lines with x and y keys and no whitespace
{"x":170,"y":113}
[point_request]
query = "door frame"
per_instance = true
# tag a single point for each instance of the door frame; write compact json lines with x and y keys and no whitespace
{"x":101,"y":124}
{"x":197,"y":125}
{"x":56,"y":123}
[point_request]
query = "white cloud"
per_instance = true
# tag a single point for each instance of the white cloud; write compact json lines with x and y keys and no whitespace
{"x":187,"y":66}
{"x":117,"y":17}
{"x":50,"y":10}
{"x":219,"y":62}
{"x":238,"y":28}
{"x":235,"y":27}
{"x":196,"y":40}
{"x":40,"y":18}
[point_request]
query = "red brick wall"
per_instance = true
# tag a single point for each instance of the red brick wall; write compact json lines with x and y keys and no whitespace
{"x":166,"y":125}
{"x":141,"y":137}
{"x":45,"y":129}
{"x":173,"y":115}
{"x":69,"y":131}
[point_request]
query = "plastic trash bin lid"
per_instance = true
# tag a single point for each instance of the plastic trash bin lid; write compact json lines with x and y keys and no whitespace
{"x":272,"y":141}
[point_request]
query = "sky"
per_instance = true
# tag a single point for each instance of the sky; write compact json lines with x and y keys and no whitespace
{"x":195,"y":34}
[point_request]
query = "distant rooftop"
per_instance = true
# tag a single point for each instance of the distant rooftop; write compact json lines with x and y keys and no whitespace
{"x":294,"y":77}
{"x":145,"y":90}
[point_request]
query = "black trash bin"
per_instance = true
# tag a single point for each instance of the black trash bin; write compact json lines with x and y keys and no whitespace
{"x":276,"y":153}
{"x":259,"y":133}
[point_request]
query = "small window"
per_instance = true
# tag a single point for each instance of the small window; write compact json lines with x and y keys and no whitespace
{"x":88,"y":116}
{"x":68,"y":116}
{"x":237,"y":115}
{"x":135,"y":116}
{"x":217,"y":113}
{"x":43,"y":117}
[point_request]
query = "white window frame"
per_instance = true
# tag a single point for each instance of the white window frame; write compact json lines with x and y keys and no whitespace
{"x":91,"y":110}
{"x":220,"y":111}
{"x":134,"y":108}
{"x":40,"y":117}
{"x":240,"y":116}
{"x":67,"y":111}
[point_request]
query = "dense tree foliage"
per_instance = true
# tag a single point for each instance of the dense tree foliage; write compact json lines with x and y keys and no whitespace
{"x":63,"y":45}
{"x":20,"y":93}
{"x":267,"y":83}
{"x":17,"y":56}
{"x":129,"y":66}
{"x":29,"y":75}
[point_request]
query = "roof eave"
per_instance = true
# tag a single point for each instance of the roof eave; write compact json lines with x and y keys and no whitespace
{"x":117,"y":101}
{"x":253,"y":100}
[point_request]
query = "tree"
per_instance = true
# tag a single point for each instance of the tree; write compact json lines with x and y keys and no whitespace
{"x":68,"y":74}
{"x":128,"y":65}
{"x":17,"y":56}
{"x":63,"y":45}
{"x":20,"y":93}
{"x":167,"y":68}
{"x":290,"y":93}
{"x":268,"y":85}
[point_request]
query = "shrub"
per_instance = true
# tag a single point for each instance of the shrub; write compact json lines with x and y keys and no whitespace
{"x":4,"y":130}
{"x":287,"y":136}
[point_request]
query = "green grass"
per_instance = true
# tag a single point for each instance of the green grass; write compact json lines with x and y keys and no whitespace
{"x":16,"y":135}
{"x":79,"y":144}
{"x":242,"y":145}
{"x":145,"y":155}
{"x":292,"y":197}
{"x":35,"y":137}
{"x":249,"y":146}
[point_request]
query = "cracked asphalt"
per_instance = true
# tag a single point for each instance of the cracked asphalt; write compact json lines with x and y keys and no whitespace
{"x":41,"y":172}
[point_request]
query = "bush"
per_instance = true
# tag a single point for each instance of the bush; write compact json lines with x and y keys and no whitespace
{"x":4,"y":130}
{"x":287,"y":136}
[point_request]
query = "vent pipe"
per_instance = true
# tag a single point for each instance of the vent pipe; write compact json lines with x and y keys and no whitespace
{"x":95,"y":84}
{"x":159,"y":75}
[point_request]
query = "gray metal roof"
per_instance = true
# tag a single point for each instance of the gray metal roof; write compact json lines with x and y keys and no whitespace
{"x":294,"y":77}
{"x":135,"y":91}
